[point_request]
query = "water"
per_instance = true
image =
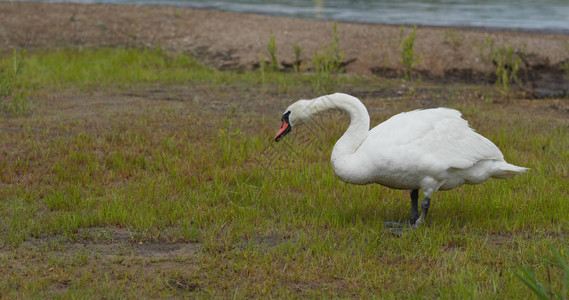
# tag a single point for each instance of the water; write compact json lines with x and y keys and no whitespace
{"x":544,"y":15}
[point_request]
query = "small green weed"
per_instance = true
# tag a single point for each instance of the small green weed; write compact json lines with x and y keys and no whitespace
{"x":297,"y":60}
{"x":272,"y":48}
{"x":409,"y":59}
{"x":565,"y":68}
{"x":565,"y":65}
{"x":528,"y":277}
{"x":485,"y":49}
{"x":328,"y":64}
{"x":13,"y":98}
{"x":453,"y":39}
{"x":507,"y":62}
{"x":262,"y":68}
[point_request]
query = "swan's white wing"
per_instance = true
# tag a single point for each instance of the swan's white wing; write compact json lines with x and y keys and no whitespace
{"x":453,"y":144}
{"x":433,"y":139}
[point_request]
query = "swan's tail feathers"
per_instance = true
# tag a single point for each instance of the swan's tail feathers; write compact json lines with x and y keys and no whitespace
{"x":506,"y":170}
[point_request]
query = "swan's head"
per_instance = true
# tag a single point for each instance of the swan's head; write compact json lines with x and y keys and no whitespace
{"x":295,"y":114}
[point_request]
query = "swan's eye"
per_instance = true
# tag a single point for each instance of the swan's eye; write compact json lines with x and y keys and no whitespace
{"x":285,"y":117}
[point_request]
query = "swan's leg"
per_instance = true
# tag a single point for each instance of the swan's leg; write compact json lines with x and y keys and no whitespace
{"x":395,"y":227}
{"x":414,"y":206}
{"x":425,"y":204}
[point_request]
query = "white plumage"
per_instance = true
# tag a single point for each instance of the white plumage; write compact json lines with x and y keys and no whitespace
{"x":431,"y":149}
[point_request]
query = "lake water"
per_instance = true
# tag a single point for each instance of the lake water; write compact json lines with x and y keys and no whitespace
{"x":540,"y":15}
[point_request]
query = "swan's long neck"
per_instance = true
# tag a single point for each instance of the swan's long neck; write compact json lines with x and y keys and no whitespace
{"x":359,"y":123}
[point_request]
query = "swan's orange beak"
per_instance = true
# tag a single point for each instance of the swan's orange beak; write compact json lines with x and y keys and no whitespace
{"x":285,"y":127}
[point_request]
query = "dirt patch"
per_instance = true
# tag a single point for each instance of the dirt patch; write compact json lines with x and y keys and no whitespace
{"x":234,"y":40}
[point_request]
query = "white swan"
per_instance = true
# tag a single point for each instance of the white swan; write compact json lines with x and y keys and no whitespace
{"x":431,"y":149}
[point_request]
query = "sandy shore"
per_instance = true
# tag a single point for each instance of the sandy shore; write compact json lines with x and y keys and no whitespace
{"x":234,"y":40}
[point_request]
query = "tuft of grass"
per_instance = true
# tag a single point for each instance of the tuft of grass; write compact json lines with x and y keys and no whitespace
{"x":527,"y":276}
{"x":453,"y":39}
{"x":272,"y":49}
{"x":328,"y":64}
{"x":485,"y":49}
{"x":297,"y":58}
{"x":409,"y":59}
{"x":565,"y":65}
{"x":507,"y":62}
{"x":13,"y":95}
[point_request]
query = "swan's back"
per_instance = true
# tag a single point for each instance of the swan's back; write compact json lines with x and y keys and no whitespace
{"x":422,"y":143}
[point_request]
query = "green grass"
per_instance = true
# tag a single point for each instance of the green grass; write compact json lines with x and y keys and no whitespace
{"x":84,"y":68}
{"x":118,"y":67}
{"x":161,"y":180}
{"x":109,"y":66}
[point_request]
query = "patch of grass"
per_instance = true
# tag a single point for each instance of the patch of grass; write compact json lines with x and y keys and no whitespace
{"x":171,"y":186}
{"x":111,"y":66}
{"x":272,"y":49}
{"x":327,"y":63}
{"x":85,"y":68}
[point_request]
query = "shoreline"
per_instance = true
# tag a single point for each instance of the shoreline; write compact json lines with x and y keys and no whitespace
{"x":560,"y":31}
{"x":230,"y":40}
{"x":488,"y":29}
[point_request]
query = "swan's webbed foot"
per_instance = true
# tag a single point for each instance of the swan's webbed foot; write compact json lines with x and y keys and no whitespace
{"x":395,"y":224}
{"x":398,"y":228}
{"x":398,"y":231}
